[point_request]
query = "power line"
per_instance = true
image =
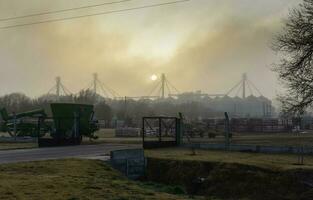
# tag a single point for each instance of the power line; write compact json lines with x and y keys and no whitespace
{"x":104,"y":92}
{"x":156,"y":86}
{"x":251,"y":91}
{"x":233,"y":88}
{"x":172,"y":86}
{"x":66,"y":91}
{"x":63,"y":10}
{"x":95,"y":14}
{"x":168,"y":88}
{"x":255,"y":87}
{"x":51,"y":89}
{"x":159,"y":93}
{"x":110,"y":90}
{"x":239,"y":89}
{"x":161,"y":87}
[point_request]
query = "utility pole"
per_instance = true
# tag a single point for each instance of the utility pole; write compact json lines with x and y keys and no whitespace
{"x":244,"y":80}
{"x":163,"y":85}
{"x":95,"y":81}
{"x":58,"y":87}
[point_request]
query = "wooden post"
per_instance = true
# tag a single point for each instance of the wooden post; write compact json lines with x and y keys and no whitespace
{"x":15,"y":126}
{"x":143,"y":132}
{"x":227,"y":131}
{"x":38,"y":133}
{"x":160,"y":129}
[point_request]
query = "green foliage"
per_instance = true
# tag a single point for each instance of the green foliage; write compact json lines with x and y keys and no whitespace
{"x":17,"y":145}
{"x":212,"y":134}
{"x":103,"y":111}
{"x":171,"y":189}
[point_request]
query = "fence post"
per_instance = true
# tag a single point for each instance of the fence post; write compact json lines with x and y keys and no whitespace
{"x":177,"y":125}
{"x":15,"y":126}
{"x":160,"y":129}
{"x":76,"y":125}
{"x":127,"y":165}
{"x":143,"y":132}
{"x":227,"y":131}
{"x":179,"y":129}
{"x":38,"y":131}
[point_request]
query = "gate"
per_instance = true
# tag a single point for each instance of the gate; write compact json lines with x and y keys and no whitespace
{"x":158,"y":132}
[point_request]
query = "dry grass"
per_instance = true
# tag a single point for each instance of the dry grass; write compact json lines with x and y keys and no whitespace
{"x":272,"y":161}
{"x":16,"y":145}
{"x":105,"y":133}
{"x":273,"y":139}
{"x":71,"y":179}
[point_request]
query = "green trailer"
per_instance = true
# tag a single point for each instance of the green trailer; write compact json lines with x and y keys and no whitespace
{"x":70,"y":119}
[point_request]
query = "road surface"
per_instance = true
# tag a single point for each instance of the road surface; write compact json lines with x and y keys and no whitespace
{"x":99,"y":151}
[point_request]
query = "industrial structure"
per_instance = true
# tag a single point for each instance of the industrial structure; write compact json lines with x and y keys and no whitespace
{"x":58,"y":90}
{"x":242,"y":100}
{"x":99,"y":88}
{"x":162,"y":89}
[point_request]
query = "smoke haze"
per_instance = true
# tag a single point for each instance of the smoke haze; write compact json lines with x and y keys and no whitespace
{"x":200,"y":45}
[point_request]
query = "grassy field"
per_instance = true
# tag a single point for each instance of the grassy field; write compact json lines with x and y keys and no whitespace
{"x":16,"y":145}
{"x":116,"y":140}
{"x":272,"y":161}
{"x":266,"y":139}
{"x":6,"y":145}
{"x":274,"y":139}
{"x":72,"y":179}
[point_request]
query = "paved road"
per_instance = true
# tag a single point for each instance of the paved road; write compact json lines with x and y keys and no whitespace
{"x":99,"y":151}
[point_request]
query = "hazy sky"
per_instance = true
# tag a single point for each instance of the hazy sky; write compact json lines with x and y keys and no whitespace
{"x":200,"y":45}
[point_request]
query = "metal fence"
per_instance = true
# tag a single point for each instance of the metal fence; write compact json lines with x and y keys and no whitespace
{"x":160,"y":131}
{"x":253,"y":135}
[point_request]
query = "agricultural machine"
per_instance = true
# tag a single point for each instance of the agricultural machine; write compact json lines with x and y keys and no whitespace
{"x":21,"y":124}
{"x":67,"y":125}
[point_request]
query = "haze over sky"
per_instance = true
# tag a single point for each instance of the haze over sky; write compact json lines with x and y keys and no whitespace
{"x":200,"y":45}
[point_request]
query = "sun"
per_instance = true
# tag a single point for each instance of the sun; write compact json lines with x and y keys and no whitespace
{"x":153,"y":77}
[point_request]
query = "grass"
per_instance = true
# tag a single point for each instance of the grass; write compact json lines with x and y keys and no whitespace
{"x":16,"y":145}
{"x":105,"y":133}
{"x":266,"y":139}
{"x":108,"y":136}
{"x":273,"y":139}
{"x":71,"y":179}
{"x":113,"y":140}
{"x":271,"y":161}
{"x":6,"y":145}
{"x":276,"y":139}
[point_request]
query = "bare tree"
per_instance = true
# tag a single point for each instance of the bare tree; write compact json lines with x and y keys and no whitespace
{"x":295,"y":69}
{"x":16,"y":102}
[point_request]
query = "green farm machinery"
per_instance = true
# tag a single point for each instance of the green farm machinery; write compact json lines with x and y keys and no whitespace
{"x":67,"y":125}
{"x":21,"y":124}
